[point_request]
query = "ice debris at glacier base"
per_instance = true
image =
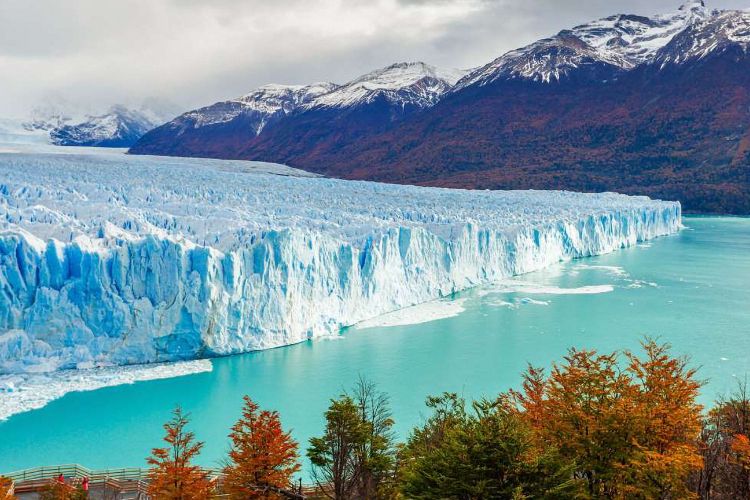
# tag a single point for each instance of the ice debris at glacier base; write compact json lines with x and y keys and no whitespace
{"x":23,"y":392}
{"x":111,"y":259}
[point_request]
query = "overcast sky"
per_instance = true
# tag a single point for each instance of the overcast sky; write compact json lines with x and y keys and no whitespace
{"x":94,"y":53}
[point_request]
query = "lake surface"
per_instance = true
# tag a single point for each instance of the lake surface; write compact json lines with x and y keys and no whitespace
{"x":690,"y":289}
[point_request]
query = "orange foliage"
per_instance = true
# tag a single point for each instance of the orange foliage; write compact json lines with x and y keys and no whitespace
{"x":173,"y":476}
{"x":630,"y":430}
{"x":669,"y":420}
{"x":741,"y":449}
{"x":263,"y":457}
{"x":6,"y":486}
{"x":60,"y":490}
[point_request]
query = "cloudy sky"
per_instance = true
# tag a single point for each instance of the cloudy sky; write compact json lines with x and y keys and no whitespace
{"x":93,"y":53}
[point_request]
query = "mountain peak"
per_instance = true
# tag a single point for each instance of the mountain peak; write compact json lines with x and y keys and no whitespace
{"x":693,"y":4}
{"x":715,"y":34}
{"x":608,"y":45}
{"x":263,"y":105}
{"x":120,"y":126}
{"x":294,"y":94}
{"x":403,"y":74}
{"x":404,"y":83}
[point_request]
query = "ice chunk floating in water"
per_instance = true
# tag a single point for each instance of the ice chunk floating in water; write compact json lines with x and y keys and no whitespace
{"x":422,"y":313}
{"x":110,"y":259}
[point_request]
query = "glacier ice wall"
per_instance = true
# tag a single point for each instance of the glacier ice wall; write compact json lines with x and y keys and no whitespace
{"x":109,"y":259}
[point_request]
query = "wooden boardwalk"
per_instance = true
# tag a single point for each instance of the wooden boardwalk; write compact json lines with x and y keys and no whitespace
{"x":109,"y":484}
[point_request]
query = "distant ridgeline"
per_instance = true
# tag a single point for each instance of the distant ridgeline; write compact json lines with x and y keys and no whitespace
{"x":118,"y":127}
{"x":657,"y":106}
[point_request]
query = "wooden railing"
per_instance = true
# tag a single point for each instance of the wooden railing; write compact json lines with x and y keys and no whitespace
{"x":74,"y":471}
{"x":120,"y":480}
{"x":125,"y":480}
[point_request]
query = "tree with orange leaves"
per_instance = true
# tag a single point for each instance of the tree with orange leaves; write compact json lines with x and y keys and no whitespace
{"x":57,"y":490}
{"x":6,"y":488}
{"x":263,"y":457}
{"x":173,"y":476}
{"x":584,"y":408}
{"x":726,"y":448}
{"x":740,"y":446}
{"x":669,"y":421}
{"x":630,"y":430}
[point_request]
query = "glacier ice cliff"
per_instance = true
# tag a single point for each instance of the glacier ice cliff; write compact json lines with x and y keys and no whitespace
{"x":112,"y":259}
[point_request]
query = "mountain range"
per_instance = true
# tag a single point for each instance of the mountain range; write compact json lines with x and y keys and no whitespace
{"x":642,"y":105}
{"x":118,"y":127}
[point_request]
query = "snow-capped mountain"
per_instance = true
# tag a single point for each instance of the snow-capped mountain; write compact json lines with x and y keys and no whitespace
{"x":712,"y":35}
{"x":414,"y":84}
{"x":375,"y":100}
{"x":652,"y":105}
{"x":599,"y":49}
{"x":256,"y":109}
{"x":218,"y":129}
{"x":120,"y":127}
{"x":45,"y":120}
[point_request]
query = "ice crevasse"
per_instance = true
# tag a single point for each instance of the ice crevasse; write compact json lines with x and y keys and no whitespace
{"x":107,"y":259}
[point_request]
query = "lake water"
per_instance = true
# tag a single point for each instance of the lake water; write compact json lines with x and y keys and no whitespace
{"x":690,"y":289}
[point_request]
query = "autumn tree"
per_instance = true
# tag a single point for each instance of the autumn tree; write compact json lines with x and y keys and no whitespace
{"x":172,"y":475}
{"x":60,"y":490}
{"x":6,"y":488}
{"x":585,"y":409}
{"x":488,"y":452}
{"x":631,"y":430}
{"x":668,"y":420}
{"x":726,"y":449}
{"x":263,"y":457}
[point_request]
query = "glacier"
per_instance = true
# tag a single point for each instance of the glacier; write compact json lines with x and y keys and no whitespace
{"x":110,"y":259}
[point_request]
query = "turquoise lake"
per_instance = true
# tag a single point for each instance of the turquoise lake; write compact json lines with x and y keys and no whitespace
{"x":691,"y":290}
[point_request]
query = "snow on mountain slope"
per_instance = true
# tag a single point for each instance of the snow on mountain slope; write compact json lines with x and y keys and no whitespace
{"x":711,"y":35}
{"x":619,"y":42}
{"x":50,"y":114}
{"x":628,"y":40}
{"x":371,"y":102}
{"x":98,"y":267}
{"x":402,"y":84}
{"x":263,"y":105}
{"x":119,"y":127}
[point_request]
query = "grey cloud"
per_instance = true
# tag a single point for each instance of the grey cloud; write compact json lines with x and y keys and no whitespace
{"x":194,"y":52}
